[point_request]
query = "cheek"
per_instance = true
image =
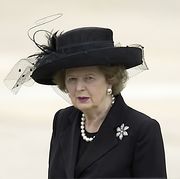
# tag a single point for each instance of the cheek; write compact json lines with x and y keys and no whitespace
{"x":71,"y":92}
{"x":70,"y":89}
{"x":72,"y":98}
{"x":98,"y":93}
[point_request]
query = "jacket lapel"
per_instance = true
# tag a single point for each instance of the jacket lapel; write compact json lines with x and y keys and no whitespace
{"x":106,"y":137}
{"x":69,"y":142}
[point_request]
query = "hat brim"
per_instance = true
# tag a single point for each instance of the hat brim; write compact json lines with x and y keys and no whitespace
{"x":127,"y":56}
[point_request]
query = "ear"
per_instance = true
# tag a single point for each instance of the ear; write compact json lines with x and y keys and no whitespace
{"x":109,"y":86}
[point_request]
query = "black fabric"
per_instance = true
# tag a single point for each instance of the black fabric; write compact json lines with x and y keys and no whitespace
{"x":138,"y":155}
{"x":83,"y":145}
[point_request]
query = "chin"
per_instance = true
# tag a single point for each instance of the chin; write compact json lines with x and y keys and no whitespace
{"x":83,"y":107}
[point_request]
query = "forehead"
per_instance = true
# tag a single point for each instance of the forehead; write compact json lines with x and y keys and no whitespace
{"x":83,"y":70}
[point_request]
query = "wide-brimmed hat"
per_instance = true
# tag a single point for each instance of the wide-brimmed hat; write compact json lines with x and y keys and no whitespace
{"x":88,"y":46}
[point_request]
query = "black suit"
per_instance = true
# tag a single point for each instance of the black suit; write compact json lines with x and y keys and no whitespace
{"x":138,"y":155}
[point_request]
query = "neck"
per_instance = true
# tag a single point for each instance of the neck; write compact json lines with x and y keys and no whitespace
{"x":96,"y":116}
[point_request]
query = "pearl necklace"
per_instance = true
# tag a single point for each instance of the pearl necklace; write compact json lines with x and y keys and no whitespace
{"x":83,"y":119}
{"x":87,"y":139}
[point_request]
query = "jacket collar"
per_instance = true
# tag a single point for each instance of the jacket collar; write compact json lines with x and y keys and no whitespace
{"x":105,"y":139}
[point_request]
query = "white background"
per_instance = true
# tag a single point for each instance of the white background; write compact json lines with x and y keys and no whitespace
{"x":26,"y":118}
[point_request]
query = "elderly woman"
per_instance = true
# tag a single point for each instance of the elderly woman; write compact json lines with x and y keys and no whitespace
{"x":99,"y":136}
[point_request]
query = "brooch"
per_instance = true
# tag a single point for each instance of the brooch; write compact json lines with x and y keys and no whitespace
{"x":121,"y":131}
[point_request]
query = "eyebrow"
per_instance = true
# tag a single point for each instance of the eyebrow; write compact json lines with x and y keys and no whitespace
{"x":86,"y":74}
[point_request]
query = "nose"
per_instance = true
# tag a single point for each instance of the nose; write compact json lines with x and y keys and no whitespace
{"x":80,"y":86}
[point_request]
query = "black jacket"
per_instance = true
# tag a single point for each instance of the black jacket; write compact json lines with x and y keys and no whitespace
{"x":138,"y":155}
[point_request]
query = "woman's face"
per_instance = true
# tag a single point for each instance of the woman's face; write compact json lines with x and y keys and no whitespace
{"x":87,"y":87}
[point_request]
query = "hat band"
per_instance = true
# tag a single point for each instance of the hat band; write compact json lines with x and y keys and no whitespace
{"x":87,"y":46}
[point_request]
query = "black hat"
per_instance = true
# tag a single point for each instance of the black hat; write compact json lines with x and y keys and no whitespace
{"x":88,"y":46}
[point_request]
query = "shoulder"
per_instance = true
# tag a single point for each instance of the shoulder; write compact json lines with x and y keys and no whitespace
{"x":63,"y":117}
{"x":142,"y":124}
{"x":65,"y":111}
{"x":139,"y":119}
{"x":136,"y":120}
{"x":61,"y":114}
{"x":132,"y":116}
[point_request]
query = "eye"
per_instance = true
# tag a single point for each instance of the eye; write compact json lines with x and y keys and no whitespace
{"x":71,"y":79}
{"x":89,"y":78}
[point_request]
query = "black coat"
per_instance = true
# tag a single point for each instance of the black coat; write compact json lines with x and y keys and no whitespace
{"x":138,"y":155}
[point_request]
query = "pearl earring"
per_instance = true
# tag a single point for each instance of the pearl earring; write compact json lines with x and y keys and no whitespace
{"x":109,"y":91}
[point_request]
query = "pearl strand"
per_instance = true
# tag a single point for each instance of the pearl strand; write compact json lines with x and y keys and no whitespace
{"x":87,"y":139}
{"x":83,"y":119}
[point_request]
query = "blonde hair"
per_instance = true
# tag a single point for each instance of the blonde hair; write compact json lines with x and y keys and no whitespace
{"x":115,"y":75}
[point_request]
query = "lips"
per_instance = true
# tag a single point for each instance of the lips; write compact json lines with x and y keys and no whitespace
{"x":83,"y":99}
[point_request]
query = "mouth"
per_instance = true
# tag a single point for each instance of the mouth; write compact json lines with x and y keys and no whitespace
{"x":83,"y":99}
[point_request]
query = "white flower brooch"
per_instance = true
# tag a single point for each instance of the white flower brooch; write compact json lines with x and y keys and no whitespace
{"x":121,"y":131}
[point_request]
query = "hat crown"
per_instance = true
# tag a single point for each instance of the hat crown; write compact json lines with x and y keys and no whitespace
{"x":85,"y":38}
